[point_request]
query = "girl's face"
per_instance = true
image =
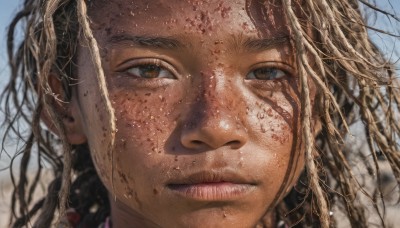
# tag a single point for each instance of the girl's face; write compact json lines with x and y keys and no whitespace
{"x":206,"y":100}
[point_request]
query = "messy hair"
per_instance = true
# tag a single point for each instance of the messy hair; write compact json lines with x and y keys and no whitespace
{"x":355,"y":80}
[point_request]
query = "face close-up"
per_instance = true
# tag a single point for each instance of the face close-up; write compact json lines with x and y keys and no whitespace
{"x":205,"y":95}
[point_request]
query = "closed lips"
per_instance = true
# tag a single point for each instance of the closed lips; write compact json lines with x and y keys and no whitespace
{"x":212,"y":186}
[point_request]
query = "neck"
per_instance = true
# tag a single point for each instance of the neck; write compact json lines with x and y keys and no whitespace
{"x":123,"y":216}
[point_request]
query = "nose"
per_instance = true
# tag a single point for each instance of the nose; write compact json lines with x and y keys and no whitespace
{"x":213,"y":126}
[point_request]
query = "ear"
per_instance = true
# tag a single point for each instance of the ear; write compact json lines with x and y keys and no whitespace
{"x":68,"y":111}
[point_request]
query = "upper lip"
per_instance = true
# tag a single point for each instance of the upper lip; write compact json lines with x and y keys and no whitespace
{"x":211,"y":176}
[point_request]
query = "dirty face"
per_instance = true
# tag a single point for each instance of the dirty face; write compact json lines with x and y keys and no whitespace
{"x":206,"y":100}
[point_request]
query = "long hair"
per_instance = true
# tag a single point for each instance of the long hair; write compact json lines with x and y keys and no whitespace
{"x":355,"y":81}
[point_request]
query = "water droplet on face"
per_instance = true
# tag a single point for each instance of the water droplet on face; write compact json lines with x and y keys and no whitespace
{"x":269,"y":112}
{"x":123,"y":141}
{"x":241,"y":161}
{"x":128,"y":195}
{"x":263,"y":130}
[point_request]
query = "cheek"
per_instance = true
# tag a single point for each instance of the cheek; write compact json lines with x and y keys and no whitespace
{"x":275,"y":120}
{"x":144,"y":123}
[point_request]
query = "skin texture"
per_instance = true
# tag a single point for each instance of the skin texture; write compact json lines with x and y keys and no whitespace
{"x":215,"y":120}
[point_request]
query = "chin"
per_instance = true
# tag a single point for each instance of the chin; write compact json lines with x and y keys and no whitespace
{"x":214,"y":217}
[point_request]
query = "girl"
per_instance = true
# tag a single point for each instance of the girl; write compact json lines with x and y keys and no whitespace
{"x":198,"y":113}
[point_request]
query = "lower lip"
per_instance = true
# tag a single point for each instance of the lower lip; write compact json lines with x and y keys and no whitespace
{"x":219,"y":191}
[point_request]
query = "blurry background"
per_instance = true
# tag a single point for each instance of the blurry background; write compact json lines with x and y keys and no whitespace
{"x":7,"y":10}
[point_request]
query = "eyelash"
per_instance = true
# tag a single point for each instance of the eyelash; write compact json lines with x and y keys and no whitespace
{"x":284,"y":71}
{"x":164,"y":69}
{"x":265,"y":70}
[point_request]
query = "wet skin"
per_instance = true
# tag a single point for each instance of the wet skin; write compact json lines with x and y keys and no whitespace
{"x":206,"y":99}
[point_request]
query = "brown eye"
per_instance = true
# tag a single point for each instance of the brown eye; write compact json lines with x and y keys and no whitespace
{"x":150,"y":71}
{"x":266,"y":73}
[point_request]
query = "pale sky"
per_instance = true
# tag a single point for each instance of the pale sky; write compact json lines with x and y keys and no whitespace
{"x":7,"y":8}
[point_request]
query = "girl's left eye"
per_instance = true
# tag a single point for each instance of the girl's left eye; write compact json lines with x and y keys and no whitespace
{"x":266,"y":73}
{"x":150,"y":71}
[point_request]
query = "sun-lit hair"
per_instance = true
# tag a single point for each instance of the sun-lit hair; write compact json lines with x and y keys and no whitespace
{"x":354,"y":79}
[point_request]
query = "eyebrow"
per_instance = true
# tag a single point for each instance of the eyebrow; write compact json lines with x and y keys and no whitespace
{"x":147,"y":41}
{"x":248,"y":44}
{"x":252,"y":44}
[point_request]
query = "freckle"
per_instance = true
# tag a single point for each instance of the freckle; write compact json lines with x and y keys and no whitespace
{"x":155,"y":191}
{"x":123,"y":177}
{"x":176,"y":158}
{"x":137,"y":200}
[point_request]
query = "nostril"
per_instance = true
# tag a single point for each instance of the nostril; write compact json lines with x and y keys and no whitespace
{"x":197,"y":142}
{"x":235,"y":144}
{"x":211,"y":135}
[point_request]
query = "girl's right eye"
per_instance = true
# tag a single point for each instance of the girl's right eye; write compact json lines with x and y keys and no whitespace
{"x":149,"y":71}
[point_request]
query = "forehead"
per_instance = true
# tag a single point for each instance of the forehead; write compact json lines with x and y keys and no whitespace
{"x":206,"y":18}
